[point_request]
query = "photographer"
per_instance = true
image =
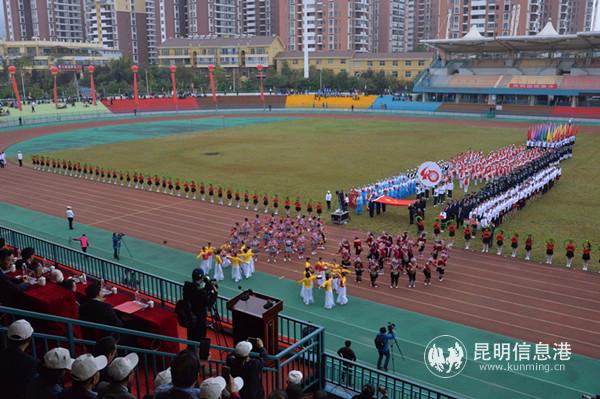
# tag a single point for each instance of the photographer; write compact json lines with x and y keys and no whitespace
{"x":116,"y":243}
{"x":382,"y":343}
{"x":199,"y":295}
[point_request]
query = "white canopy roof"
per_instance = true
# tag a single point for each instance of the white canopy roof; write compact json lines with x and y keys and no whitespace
{"x":547,"y":39}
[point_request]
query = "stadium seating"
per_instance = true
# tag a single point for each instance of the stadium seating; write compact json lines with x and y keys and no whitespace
{"x":474,"y":81}
{"x":150,"y":105}
{"x":388,"y":103}
{"x":581,"y":82}
{"x":241,"y":101}
{"x":468,"y":108}
{"x":336,"y":102}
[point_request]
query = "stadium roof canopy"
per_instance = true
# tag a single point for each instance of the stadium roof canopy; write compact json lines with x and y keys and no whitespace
{"x":547,"y":40}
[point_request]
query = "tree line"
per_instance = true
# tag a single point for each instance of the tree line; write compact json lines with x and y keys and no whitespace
{"x":116,"y":78}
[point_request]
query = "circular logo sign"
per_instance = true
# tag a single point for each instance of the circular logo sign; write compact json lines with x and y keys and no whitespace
{"x":445,"y":356}
{"x":429,"y":174}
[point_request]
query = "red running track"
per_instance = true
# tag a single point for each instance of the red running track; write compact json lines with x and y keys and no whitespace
{"x":520,"y":299}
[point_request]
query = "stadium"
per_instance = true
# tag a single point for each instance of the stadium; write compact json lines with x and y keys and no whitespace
{"x":312,"y":214}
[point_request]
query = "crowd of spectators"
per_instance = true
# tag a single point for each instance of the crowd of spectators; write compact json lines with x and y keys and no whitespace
{"x":103,"y":374}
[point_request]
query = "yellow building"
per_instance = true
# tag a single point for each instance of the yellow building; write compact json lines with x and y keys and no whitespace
{"x":403,"y":66}
{"x":226,"y":52}
{"x":65,"y":55}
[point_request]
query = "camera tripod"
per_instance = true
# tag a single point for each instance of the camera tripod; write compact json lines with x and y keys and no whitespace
{"x":392,"y":353}
{"x":217,"y":326}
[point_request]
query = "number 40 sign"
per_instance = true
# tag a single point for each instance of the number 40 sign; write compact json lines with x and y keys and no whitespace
{"x":429,"y":174}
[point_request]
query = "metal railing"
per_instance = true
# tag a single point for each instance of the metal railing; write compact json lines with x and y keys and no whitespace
{"x":303,"y":355}
{"x":350,"y":377}
{"x":303,"y":341}
{"x":64,"y":119}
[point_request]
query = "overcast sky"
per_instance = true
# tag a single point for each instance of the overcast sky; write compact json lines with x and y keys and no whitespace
{"x":2,"y":32}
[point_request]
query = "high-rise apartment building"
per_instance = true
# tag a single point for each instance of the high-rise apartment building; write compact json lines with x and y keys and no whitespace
{"x":514,"y":17}
{"x":44,"y":20}
{"x":138,"y":27}
{"x":135,"y":27}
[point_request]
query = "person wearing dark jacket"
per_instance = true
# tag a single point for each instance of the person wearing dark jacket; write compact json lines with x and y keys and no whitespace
{"x":121,"y":375}
{"x":17,"y":368}
{"x":95,"y":310}
{"x":198,"y":300}
{"x":294,"y":389}
{"x":250,"y":369}
{"x":10,"y":288}
{"x":49,"y":383}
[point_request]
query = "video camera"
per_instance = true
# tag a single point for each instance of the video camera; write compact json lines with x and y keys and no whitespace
{"x":212,"y":290}
{"x":391,"y":326}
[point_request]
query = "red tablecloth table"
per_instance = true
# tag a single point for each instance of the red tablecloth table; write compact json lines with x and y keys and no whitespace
{"x":54,"y":300}
{"x":156,"y":320}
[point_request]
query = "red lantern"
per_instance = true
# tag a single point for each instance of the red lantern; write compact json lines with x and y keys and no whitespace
{"x":12,"y":70}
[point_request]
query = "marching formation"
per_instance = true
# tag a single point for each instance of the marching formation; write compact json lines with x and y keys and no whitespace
{"x":277,"y":237}
{"x":399,"y":255}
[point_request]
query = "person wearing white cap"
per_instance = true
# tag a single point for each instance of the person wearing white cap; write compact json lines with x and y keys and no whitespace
{"x":49,"y":382}
{"x":56,"y":276}
{"x":213,"y":388}
{"x":294,"y":389}
{"x":250,"y":369}
{"x":120,"y":372}
{"x":17,"y":368}
{"x":85,"y":373}
{"x":163,"y":378}
{"x":70,"y":217}
{"x":185,"y":370}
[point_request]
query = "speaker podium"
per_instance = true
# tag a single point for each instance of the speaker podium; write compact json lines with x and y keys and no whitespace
{"x":252,"y":319}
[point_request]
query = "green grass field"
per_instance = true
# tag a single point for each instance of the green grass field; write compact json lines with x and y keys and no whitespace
{"x":306,"y":157}
{"x":49,"y":110}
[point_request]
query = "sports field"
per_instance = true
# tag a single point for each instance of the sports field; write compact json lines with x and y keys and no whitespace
{"x":362,"y":315}
{"x":356,"y":321}
{"x":305,"y":157}
{"x":43,"y":111}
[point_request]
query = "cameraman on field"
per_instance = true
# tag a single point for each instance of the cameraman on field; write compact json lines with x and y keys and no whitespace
{"x":199,"y":295}
{"x":382,"y":343}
